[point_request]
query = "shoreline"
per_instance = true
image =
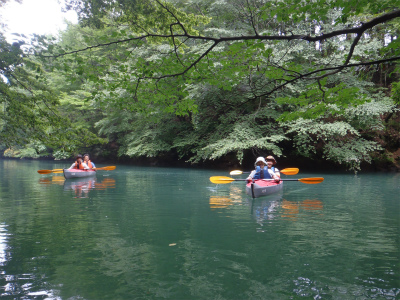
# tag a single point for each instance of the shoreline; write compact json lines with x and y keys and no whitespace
{"x":305,"y":165}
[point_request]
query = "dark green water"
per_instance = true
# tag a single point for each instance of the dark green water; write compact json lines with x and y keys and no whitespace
{"x":163,"y":233}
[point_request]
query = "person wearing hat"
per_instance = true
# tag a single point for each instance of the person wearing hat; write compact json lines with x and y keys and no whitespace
{"x":88,"y":162}
{"x":265,"y":169}
{"x":79,"y":164}
{"x":270,"y":164}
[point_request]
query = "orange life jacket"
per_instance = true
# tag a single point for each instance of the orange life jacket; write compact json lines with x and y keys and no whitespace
{"x":78,"y":166}
{"x":89,"y":164}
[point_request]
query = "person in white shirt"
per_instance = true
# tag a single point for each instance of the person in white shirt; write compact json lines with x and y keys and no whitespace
{"x":79,"y":164}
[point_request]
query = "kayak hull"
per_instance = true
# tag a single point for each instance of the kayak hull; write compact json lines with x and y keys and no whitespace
{"x":263,"y":188}
{"x":75,"y":173}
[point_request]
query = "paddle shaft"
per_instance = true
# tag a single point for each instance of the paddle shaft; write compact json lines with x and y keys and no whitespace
{"x":108,"y":168}
{"x":224,"y":179}
{"x":287,"y":171}
{"x":261,"y":179}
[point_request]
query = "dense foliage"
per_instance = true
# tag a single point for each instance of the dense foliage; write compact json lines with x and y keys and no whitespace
{"x":203,"y":80}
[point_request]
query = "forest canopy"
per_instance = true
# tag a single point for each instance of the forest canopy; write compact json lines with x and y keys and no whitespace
{"x":201,"y":81}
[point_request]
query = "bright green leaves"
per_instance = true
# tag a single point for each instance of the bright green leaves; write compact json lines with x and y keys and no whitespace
{"x":321,"y":10}
{"x":318,"y":100}
{"x":31,"y":112}
{"x":244,"y":135}
{"x":396,"y":92}
{"x":145,"y":65}
{"x":336,"y":141}
{"x":28,"y":106}
{"x":223,"y":77}
{"x":236,"y":48}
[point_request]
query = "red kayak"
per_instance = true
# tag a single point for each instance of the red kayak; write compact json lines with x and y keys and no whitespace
{"x":260,"y":188}
{"x":76,"y":173}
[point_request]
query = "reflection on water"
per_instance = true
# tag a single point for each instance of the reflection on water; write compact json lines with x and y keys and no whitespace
{"x":293,"y":210}
{"x":267,"y":208}
{"x":220,"y":202}
{"x":3,"y":244}
{"x":52,"y":180}
{"x":235,"y":195}
{"x":166,"y":234}
{"x":312,"y":204}
{"x":81,"y":186}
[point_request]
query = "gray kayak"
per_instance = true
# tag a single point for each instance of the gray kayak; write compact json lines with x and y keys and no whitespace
{"x":76,"y":173}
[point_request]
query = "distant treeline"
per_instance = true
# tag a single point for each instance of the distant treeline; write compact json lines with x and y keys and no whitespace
{"x":211,"y":84}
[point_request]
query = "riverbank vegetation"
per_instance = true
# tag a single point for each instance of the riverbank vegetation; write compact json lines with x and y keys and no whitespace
{"x":209,"y":81}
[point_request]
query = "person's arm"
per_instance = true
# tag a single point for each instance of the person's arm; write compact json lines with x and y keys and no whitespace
{"x":85,"y":166}
{"x":275,"y":175}
{"x":72,"y":166}
{"x":251,"y":176}
{"x":93,"y":165}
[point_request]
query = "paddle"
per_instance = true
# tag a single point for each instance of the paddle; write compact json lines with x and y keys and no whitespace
{"x":224,"y":179}
{"x":287,"y":171}
{"x":109,"y":168}
{"x":50,"y":171}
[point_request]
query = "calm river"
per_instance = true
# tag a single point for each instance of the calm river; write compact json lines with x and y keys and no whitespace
{"x":165,"y":233}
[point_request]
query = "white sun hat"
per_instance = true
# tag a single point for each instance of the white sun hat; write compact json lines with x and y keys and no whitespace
{"x":260,"y":159}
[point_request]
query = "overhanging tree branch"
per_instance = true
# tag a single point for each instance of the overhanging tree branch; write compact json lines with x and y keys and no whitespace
{"x":355,"y":30}
{"x":211,"y":42}
{"x":304,"y":76}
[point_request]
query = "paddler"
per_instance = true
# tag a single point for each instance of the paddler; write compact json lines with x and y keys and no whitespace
{"x":79,"y":164}
{"x":88,"y":162}
{"x":265,"y":169}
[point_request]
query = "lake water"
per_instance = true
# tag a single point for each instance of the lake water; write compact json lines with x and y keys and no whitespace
{"x":165,"y":233}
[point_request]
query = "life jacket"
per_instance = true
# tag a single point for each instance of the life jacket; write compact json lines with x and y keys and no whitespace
{"x":263,"y":173}
{"x":78,"y":166}
{"x":89,"y":164}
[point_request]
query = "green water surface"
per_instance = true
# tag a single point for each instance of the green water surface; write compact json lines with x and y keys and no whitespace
{"x":168,"y":233}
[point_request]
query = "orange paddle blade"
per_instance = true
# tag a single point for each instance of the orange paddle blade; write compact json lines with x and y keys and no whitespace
{"x":312,"y":180}
{"x":45,"y":171}
{"x":50,"y":171}
{"x":221,"y":179}
{"x":109,"y":168}
{"x":290,"y":171}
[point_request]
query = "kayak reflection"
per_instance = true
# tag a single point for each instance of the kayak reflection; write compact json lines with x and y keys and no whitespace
{"x":234,"y":197}
{"x":82,"y":186}
{"x":271,"y":207}
{"x":52,"y":180}
{"x":293,"y":209}
{"x":220,"y":202}
{"x":265,"y":208}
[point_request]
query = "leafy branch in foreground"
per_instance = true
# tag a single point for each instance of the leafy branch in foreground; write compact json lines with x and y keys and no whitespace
{"x":357,"y":30}
{"x":155,"y":46}
{"x":214,"y":79}
{"x":30,"y":119}
{"x":28,"y":105}
{"x":184,"y":33}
